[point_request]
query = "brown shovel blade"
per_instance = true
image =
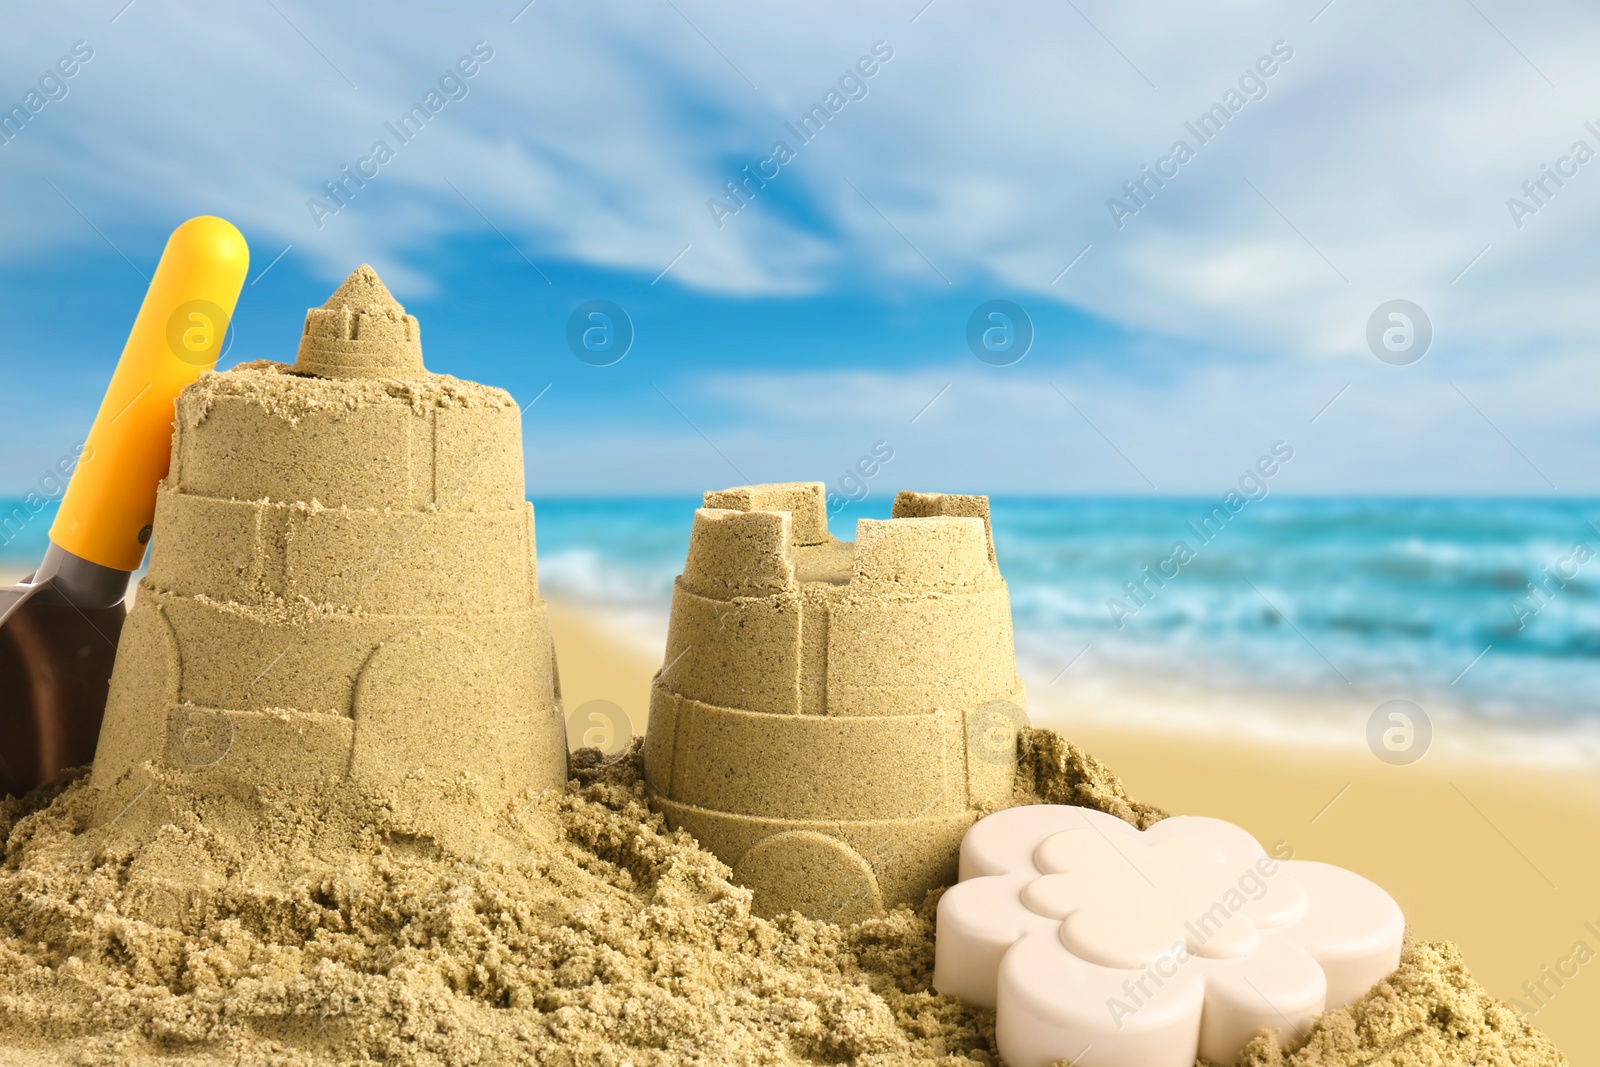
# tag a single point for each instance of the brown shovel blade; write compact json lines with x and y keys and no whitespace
{"x":55,"y":671}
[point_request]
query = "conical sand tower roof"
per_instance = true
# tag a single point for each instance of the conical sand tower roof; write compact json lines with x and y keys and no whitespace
{"x":361,"y":332}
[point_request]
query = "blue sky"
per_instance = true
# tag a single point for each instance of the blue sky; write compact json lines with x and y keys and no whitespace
{"x":980,"y":161}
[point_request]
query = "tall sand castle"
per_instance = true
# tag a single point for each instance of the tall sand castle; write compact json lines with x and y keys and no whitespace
{"x":342,"y":590}
{"x":832,"y":716}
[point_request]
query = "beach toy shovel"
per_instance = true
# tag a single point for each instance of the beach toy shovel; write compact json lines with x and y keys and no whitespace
{"x":59,"y":628}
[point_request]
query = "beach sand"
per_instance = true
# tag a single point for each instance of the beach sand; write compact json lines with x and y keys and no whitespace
{"x":1464,"y":845}
{"x":1499,"y":857}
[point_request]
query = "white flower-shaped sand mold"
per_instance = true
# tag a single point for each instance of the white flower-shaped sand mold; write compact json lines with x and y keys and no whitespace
{"x":1104,"y":946}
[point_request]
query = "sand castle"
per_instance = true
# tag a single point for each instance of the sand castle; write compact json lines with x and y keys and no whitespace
{"x":832,"y":716}
{"x":342,"y":587}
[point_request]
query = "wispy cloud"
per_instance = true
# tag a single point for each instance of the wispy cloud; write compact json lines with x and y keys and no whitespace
{"x":1376,"y":164}
{"x":992,"y":141}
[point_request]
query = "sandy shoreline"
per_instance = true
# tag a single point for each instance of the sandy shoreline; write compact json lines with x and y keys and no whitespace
{"x":1335,"y":719}
{"x":1495,"y":855}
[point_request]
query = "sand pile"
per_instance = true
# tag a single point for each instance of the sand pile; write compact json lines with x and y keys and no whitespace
{"x":832,"y":716}
{"x":585,"y":933}
{"x":1429,"y":1012}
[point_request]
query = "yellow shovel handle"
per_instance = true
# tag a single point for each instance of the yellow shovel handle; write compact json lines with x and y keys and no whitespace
{"x":106,"y":513}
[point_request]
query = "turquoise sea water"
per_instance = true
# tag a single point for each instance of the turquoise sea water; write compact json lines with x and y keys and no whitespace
{"x":1429,"y":599}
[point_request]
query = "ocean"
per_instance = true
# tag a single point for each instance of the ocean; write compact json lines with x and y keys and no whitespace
{"x":1488,"y":606}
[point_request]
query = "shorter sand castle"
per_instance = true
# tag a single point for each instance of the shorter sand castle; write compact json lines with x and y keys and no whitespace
{"x":832,"y":716}
{"x":342,"y":590}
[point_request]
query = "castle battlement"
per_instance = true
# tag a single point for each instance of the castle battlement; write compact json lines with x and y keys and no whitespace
{"x":760,"y":551}
{"x":740,"y":554}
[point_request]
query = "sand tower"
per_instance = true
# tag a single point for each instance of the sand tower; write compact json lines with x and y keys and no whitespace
{"x":832,"y":716}
{"x":342,"y":588}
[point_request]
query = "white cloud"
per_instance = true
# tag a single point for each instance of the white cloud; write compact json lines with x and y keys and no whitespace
{"x":1356,"y":427}
{"x":1384,"y":151}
